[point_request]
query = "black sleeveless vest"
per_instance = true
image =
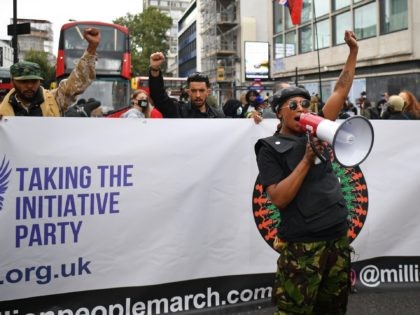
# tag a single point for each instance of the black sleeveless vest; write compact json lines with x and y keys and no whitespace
{"x":319,"y":204}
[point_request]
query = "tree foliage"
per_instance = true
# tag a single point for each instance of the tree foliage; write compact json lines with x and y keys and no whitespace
{"x":47,"y":70}
{"x":148,"y":33}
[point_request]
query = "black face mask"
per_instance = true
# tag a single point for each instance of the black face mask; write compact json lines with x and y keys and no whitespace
{"x":143,"y":103}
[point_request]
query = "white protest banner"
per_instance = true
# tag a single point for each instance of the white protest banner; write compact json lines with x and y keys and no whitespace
{"x":158,"y":216}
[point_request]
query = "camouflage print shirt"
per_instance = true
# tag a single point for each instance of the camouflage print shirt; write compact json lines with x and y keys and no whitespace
{"x":56,"y":101}
{"x":78,"y":81}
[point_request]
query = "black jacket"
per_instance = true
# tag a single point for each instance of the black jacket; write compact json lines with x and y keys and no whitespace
{"x":172,"y":108}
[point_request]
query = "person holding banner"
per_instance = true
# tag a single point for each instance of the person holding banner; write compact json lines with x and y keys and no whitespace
{"x":313,"y":273}
{"x":28,"y":98}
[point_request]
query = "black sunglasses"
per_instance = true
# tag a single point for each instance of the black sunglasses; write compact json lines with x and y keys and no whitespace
{"x":294,"y":104}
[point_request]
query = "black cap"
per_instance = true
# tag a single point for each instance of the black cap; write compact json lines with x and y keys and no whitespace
{"x":284,"y":94}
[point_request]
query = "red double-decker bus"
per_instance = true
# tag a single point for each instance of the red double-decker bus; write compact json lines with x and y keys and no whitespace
{"x":5,"y":81}
{"x":113,"y":67}
{"x":173,"y":85}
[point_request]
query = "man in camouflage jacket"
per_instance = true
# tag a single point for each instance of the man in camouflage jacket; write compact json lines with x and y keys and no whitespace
{"x":28,"y":98}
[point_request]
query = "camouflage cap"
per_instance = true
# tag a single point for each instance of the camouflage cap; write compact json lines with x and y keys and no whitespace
{"x":25,"y":70}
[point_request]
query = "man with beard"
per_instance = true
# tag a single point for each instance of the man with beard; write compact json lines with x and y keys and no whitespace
{"x":28,"y":98}
{"x":198,"y":88}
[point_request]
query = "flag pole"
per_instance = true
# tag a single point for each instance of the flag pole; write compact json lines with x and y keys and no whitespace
{"x":317,"y":51}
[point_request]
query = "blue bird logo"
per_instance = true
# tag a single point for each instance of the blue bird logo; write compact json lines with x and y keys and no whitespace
{"x":4,"y":179}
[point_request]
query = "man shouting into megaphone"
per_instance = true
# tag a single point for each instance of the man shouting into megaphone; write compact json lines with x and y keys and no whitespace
{"x":313,"y":275}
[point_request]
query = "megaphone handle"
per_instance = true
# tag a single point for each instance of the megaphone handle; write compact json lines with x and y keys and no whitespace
{"x":314,"y":148}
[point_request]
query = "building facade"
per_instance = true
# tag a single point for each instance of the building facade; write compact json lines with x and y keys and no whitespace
{"x":189,"y":41}
{"x":6,"y":53}
{"x":212,"y":37}
{"x":313,"y":52}
{"x":40,"y":39}
{"x":174,"y":9}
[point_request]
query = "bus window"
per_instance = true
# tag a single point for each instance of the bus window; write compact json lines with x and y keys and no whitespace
{"x":173,"y":85}
{"x":74,"y":39}
{"x":113,"y":94}
{"x":5,"y":82}
{"x":120,"y":93}
{"x":113,"y":67}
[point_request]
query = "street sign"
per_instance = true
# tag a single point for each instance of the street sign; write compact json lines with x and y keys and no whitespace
{"x":220,"y":74}
{"x":22,"y":28}
{"x":257,"y":86}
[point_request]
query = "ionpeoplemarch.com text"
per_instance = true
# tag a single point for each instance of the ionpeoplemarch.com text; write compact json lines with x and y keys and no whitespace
{"x":175,"y":304}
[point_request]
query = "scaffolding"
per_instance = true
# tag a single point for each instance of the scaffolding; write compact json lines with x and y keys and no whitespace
{"x":219,"y":33}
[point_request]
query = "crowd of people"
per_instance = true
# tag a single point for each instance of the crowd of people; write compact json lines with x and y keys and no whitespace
{"x":28,"y":98}
{"x":403,"y":106}
{"x":313,"y":270}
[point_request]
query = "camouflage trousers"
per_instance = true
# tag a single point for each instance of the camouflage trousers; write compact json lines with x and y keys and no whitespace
{"x":313,"y":278}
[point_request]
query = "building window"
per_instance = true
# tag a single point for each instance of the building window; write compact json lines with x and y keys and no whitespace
{"x":322,"y":7}
{"x":393,"y":16}
{"x":323,"y":34}
{"x":341,"y":23}
{"x":365,"y":21}
{"x":288,"y":20}
{"x":306,"y":15}
{"x":305,"y":39}
{"x":339,"y":4}
{"x":278,"y":47}
{"x":291,"y":43}
{"x":278,"y":25}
